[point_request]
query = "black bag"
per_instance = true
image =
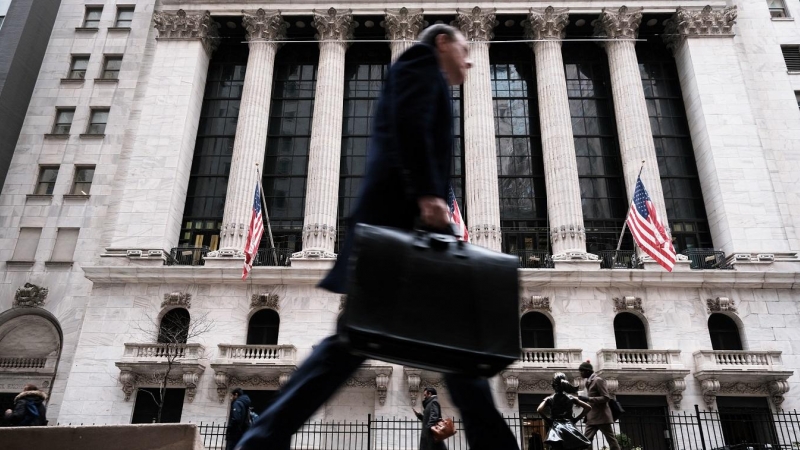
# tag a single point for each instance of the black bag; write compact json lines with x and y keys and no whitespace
{"x":429,"y":301}
{"x":616,"y":409}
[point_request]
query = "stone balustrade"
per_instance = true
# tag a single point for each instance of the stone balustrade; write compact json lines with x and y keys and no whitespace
{"x":162,"y":351}
{"x":550,"y":357}
{"x":737,"y":360}
{"x":284,"y":354}
{"x":24,"y":364}
{"x":612,"y":359}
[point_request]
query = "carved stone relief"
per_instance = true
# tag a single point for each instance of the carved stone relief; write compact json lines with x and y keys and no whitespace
{"x":29,"y":296}
{"x":180,"y":25}
{"x":177,"y":298}
{"x":265,"y":300}
{"x":628,"y":304}
{"x":535,"y":303}
{"x":720,"y":304}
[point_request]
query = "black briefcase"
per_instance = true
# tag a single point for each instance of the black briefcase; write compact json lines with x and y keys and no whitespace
{"x":429,"y":301}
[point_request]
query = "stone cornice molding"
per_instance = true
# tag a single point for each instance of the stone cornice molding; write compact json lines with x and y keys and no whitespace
{"x":622,"y":23}
{"x":264,"y":25}
{"x":403,"y":24}
{"x":548,"y":23}
{"x":707,"y":22}
{"x":182,"y":26}
{"x":334,"y":25}
{"x":477,"y":25}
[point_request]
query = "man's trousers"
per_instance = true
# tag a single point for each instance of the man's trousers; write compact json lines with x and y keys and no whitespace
{"x":608,"y":431}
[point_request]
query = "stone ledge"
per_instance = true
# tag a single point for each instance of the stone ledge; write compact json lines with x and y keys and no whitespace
{"x":124,"y":437}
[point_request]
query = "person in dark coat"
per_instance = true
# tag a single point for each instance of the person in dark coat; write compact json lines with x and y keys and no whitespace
{"x":600,"y":418}
{"x":29,"y":408}
{"x":562,"y":434}
{"x":407,"y":177}
{"x":431,"y":415}
{"x":239,"y":419}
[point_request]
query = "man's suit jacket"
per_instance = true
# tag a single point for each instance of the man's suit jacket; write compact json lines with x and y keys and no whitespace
{"x":410,"y":151}
{"x":599,"y":396}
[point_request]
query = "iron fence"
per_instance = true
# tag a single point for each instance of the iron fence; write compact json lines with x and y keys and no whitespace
{"x":186,"y":256}
{"x":533,"y":259}
{"x":273,"y":257}
{"x":706,"y":258}
{"x":618,"y":259}
{"x":699,"y":430}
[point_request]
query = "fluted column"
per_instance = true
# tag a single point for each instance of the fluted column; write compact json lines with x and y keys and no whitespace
{"x":402,"y":27}
{"x":263,"y":30}
{"x":546,"y":27}
{"x":621,"y":26}
{"x":322,"y":191}
{"x":483,"y":198}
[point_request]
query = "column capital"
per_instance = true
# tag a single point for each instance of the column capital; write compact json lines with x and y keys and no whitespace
{"x":622,"y":23}
{"x":264,"y":25}
{"x":334,"y":25}
{"x":548,"y":23}
{"x":403,"y":24}
{"x":182,"y":26}
{"x":477,"y":25}
{"x":707,"y":22}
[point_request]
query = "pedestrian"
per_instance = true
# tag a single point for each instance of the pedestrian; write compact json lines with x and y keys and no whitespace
{"x":562,"y":434}
{"x":239,"y":419}
{"x":407,"y":179}
{"x":597,"y":395}
{"x":431,"y":415}
{"x":29,"y":409}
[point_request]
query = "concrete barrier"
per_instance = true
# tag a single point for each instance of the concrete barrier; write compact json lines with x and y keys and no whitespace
{"x":178,"y":436}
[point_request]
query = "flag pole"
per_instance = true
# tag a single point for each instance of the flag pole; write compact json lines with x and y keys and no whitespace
{"x":266,"y":213}
{"x":625,"y":224}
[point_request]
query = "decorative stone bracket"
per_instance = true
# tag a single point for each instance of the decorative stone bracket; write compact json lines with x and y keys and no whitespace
{"x":676,"y":388}
{"x":512,"y":387}
{"x":223,"y":380}
{"x":177,"y":298}
{"x":628,"y":304}
{"x":720,"y":304}
{"x":30,"y":295}
{"x":710,"y":388}
{"x":382,"y":384}
{"x":413,"y":378}
{"x":775,"y":389}
{"x":535,"y":303}
{"x":189,"y":379}
{"x":265,"y":300}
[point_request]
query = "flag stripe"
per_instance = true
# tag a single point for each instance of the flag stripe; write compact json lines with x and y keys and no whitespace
{"x":254,"y":233}
{"x":647,"y":230}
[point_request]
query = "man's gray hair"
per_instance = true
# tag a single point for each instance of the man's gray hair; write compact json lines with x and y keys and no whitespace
{"x":428,"y":35}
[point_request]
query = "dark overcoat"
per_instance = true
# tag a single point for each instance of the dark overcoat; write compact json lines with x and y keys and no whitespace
{"x":410,"y":151}
{"x":599,"y":396}
{"x":430,"y":416}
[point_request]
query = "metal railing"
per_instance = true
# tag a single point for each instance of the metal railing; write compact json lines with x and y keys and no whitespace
{"x":280,"y":257}
{"x":625,"y":259}
{"x":22,"y":363}
{"x":706,"y":258}
{"x":187,"y":256}
{"x":533,"y":259}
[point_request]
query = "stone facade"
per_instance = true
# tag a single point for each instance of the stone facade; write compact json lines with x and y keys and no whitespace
{"x":744,"y":125}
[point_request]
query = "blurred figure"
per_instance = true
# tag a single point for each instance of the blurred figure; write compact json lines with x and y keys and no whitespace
{"x":29,"y":409}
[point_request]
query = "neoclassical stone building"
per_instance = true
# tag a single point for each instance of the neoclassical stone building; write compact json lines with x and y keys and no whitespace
{"x":125,"y":208}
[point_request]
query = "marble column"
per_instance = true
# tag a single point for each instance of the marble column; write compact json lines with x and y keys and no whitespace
{"x":621,"y":27}
{"x":151,"y":195}
{"x":322,"y":192}
{"x":402,"y":27}
{"x":263,"y":30}
{"x":567,"y":234}
{"x":483,"y":198}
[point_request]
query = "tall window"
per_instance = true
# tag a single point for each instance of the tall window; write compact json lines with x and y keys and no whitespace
{"x":124,"y":17}
{"x":366,"y":65}
{"x":98,"y":121}
{"x":745,"y":420}
{"x":111,"y":67}
{"x":64,"y":248}
{"x":457,"y":179}
{"x":777,"y":8}
{"x":629,"y":332}
{"x":676,"y":163}
{"x":47,"y":180}
{"x":286,"y":159}
{"x":63,"y":120}
{"x":174,"y":327}
{"x":602,"y":183}
{"x":78,"y":66}
{"x":92,"y":17}
{"x":211,"y":165}
{"x":263,"y":328}
{"x":523,"y":198}
{"x":724,"y":333}
{"x":83,"y":180}
{"x":145,"y":407}
{"x":536,"y":331}
{"x":27,"y":243}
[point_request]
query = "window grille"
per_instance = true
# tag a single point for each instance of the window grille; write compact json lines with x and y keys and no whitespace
{"x":791,"y":54}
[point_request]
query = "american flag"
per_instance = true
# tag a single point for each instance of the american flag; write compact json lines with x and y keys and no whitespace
{"x":455,"y":215}
{"x":254,"y":235}
{"x":647,"y":230}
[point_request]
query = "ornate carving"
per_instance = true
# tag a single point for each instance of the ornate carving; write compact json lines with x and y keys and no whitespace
{"x":264,"y":26}
{"x":177,"y":298}
{"x":334,"y":26}
{"x":539,"y":385}
{"x":265,"y":300}
{"x":641,"y":386}
{"x":535,"y":303}
{"x":180,"y":25}
{"x":700,"y":23}
{"x":512,"y":387}
{"x":612,"y":384}
{"x":739,"y":387}
{"x":618,"y":24}
{"x":127,"y":378}
{"x":402,"y":24}
{"x":776,"y":390}
{"x":190,"y":380}
{"x":342,"y":302}
{"x":255,"y":381}
{"x":676,"y":387}
{"x":710,"y":388}
{"x":628,"y":304}
{"x":317,"y":229}
{"x":413,"y":377}
{"x":437,"y":383}
{"x":548,"y":23}
{"x":360,"y":382}
{"x":30,"y":295}
{"x":477,"y":25}
{"x":488,"y":231}
{"x":720,"y":304}
{"x":284,"y":378}
{"x":382,"y":385}
{"x":221,"y":380}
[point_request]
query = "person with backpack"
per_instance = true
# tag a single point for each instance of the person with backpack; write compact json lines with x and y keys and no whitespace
{"x":29,"y":409}
{"x":239,"y":420}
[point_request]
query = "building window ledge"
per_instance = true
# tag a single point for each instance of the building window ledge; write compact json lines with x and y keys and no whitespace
{"x":77,"y":196}
{"x":90,"y":29}
{"x":92,"y":135}
{"x":20,"y":263}
{"x":783,"y":19}
{"x":39,"y":197}
{"x":58,"y":263}
{"x":72,"y":81}
{"x":106,"y":80}
{"x":56,"y":136}
{"x":793,"y":72}
{"x":119,"y":28}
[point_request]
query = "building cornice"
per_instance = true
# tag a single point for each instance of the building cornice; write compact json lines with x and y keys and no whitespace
{"x":728,"y":279}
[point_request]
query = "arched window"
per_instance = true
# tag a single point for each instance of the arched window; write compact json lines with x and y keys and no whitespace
{"x":629,"y":331}
{"x":263,"y":328}
{"x":537,"y":331}
{"x":724,"y":333}
{"x":174,"y":328}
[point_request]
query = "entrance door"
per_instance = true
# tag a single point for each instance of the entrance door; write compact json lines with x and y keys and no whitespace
{"x":746,"y":422}
{"x":646,"y":421}
{"x":534,"y":431}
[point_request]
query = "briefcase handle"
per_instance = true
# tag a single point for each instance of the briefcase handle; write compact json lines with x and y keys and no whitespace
{"x":427,"y":238}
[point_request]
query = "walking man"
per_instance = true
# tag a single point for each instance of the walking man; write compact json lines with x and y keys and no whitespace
{"x":407,"y":177}
{"x":597,"y":395}
{"x":239,"y":419}
{"x":431,"y":415}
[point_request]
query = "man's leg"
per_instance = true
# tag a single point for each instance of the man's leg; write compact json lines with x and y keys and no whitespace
{"x":485,"y":427}
{"x":590,"y":431}
{"x":608,"y":432}
{"x":316,"y":380}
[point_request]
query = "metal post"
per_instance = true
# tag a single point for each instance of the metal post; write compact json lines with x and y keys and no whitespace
{"x":625,"y":224}
{"x":264,"y":206}
{"x":700,"y":427}
{"x":369,"y":431}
